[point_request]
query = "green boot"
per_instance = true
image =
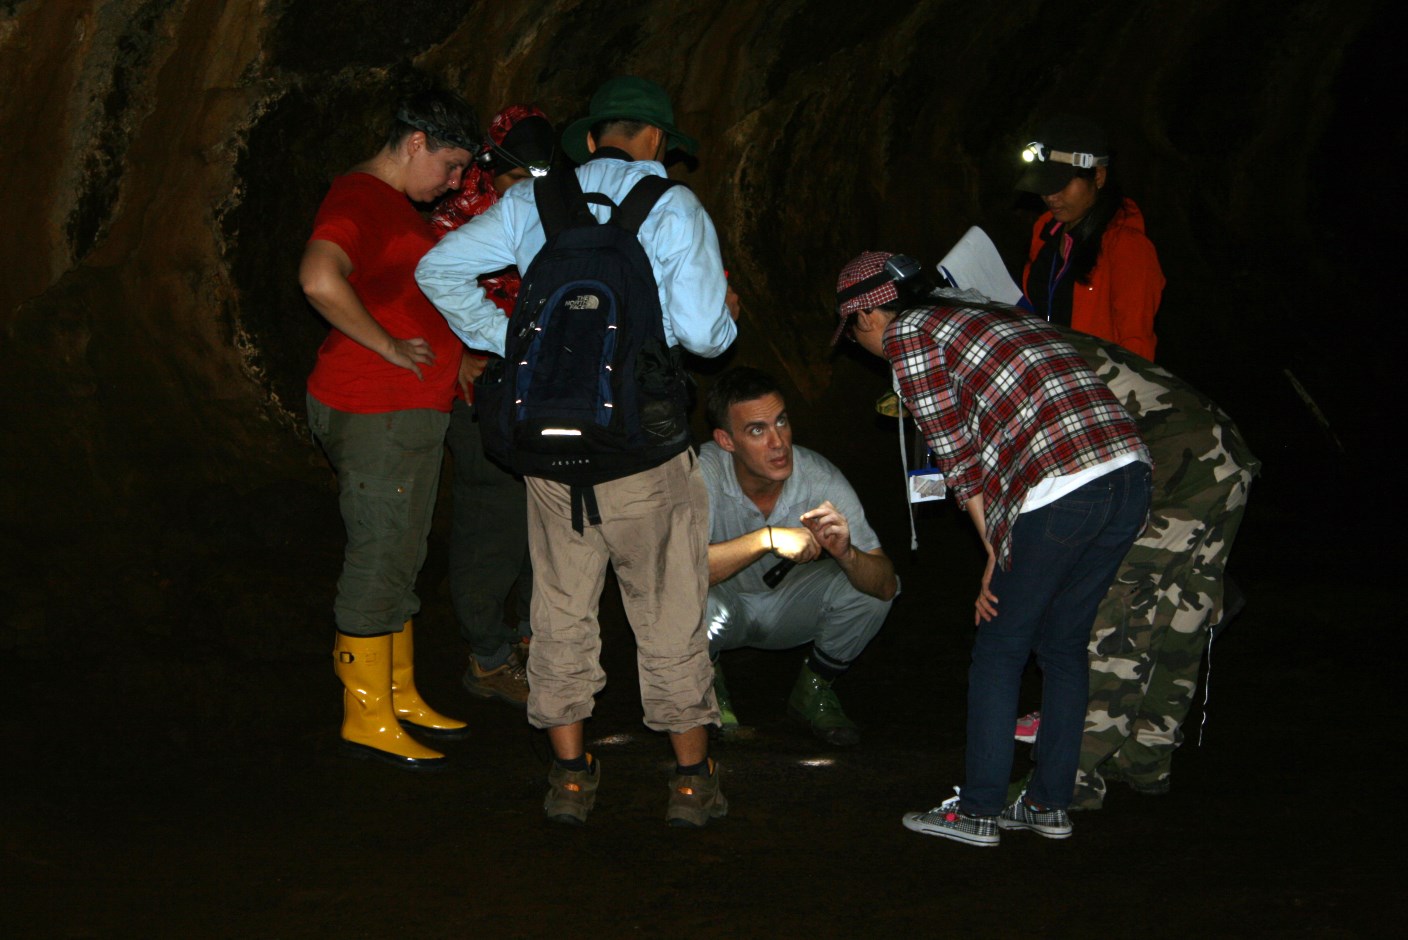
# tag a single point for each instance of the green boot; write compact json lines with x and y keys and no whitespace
{"x":728,"y":719}
{"x":813,"y":701}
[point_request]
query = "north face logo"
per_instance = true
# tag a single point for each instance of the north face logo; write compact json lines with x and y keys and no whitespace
{"x":582,"y":302}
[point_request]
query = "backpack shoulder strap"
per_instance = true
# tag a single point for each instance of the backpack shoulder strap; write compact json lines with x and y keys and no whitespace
{"x":640,"y":200}
{"x":561,"y":203}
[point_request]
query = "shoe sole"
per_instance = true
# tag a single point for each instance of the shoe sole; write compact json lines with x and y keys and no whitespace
{"x":1025,"y":738}
{"x":836,"y":737}
{"x":419,"y":765}
{"x":479,"y":691}
{"x":1047,"y":831}
{"x":917,"y":825}
{"x":570,"y":814}
{"x":439,"y":734}
{"x":692,"y":821}
{"x":567,"y":819}
{"x":1150,"y":789}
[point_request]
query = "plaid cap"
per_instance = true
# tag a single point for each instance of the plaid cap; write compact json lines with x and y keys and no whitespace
{"x":862,"y":266}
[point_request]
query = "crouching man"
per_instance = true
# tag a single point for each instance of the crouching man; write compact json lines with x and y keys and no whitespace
{"x":791,"y":558}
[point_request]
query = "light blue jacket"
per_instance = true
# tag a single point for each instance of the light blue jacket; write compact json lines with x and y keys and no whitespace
{"x":678,"y":238}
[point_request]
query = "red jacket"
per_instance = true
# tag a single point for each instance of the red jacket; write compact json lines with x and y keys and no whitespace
{"x":1119,"y":302}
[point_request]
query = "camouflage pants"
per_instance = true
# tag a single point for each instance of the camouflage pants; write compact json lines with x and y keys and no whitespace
{"x":1147,"y":642}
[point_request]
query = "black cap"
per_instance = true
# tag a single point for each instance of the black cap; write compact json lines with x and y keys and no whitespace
{"x":1061,"y":146}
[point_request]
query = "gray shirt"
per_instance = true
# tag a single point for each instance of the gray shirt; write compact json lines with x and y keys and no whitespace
{"x":813,"y":479}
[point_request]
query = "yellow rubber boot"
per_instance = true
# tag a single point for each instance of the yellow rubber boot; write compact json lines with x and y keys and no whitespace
{"x":369,"y":725}
{"x":410,"y":708}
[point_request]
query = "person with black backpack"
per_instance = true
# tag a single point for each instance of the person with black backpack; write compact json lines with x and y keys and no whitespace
{"x":621,"y":273}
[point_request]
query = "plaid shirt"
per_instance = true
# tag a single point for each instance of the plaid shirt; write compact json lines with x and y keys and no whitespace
{"x":1004,"y":403}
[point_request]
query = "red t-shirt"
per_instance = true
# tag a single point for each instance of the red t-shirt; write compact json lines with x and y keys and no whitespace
{"x":385,"y":238}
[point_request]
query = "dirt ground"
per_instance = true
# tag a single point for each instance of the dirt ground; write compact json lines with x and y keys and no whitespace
{"x":180,"y":778}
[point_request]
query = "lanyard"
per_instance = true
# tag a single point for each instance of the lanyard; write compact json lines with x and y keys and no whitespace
{"x":1053,"y":276}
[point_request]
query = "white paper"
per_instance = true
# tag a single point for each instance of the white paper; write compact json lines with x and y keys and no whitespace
{"x":974,"y":264}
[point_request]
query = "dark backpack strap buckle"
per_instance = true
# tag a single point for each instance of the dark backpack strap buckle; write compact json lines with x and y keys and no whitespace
{"x":584,"y":501}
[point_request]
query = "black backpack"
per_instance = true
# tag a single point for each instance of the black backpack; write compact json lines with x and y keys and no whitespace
{"x":587,"y":390}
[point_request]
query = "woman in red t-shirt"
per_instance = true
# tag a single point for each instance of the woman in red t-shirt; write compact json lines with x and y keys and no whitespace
{"x":379,"y":402}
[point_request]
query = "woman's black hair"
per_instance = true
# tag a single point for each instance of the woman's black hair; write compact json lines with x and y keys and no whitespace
{"x":446,"y":119}
{"x":1088,"y":235}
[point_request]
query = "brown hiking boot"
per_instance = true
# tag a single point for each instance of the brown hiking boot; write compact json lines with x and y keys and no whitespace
{"x":508,"y":683}
{"x":572,"y":793}
{"x":695,"y":799}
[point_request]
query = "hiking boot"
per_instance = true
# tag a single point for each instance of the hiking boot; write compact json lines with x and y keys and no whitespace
{"x":507,"y":683}
{"x":947,"y":822}
{"x":1049,"y":822}
{"x":1085,"y":799}
{"x":572,"y":793}
{"x":695,"y":799}
{"x":728,"y":718}
{"x":1027,"y":727}
{"x":813,"y":701}
{"x":1159,"y":786}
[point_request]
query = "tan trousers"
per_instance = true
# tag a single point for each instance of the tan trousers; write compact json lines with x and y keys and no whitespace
{"x":654,"y":532}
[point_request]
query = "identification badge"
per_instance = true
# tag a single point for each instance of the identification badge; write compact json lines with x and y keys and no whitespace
{"x":926,"y":485}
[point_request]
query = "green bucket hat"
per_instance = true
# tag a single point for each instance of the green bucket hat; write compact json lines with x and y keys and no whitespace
{"x":627,"y":98}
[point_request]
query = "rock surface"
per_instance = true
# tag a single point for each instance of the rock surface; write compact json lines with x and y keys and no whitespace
{"x":163,"y":160}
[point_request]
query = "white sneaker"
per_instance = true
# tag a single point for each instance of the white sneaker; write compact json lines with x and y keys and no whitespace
{"x":946,"y":821}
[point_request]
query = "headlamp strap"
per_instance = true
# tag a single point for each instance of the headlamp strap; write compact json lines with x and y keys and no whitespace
{"x":1083,"y":161}
{"x":430,"y":130}
{"x":1040,"y":153}
{"x":897,"y":268}
{"x":536,"y":168}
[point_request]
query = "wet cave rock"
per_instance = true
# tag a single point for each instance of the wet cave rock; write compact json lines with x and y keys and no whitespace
{"x":164,"y":159}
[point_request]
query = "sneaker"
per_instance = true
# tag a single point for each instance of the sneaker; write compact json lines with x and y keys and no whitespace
{"x":815,"y":702}
{"x":507,"y":683}
{"x":946,"y":821}
{"x":695,"y":799}
{"x":1027,"y":727}
{"x":1052,"y":823}
{"x":728,"y":718}
{"x":572,"y":793}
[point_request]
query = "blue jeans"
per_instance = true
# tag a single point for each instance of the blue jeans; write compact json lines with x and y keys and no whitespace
{"x":1064,"y":558}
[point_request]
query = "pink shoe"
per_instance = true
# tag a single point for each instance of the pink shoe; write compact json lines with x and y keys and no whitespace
{"x":1027,"y":727}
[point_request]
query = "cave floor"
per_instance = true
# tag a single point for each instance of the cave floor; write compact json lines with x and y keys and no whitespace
{"x":175,"y":786}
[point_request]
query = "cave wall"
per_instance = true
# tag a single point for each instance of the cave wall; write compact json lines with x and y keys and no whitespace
{"x":164,"y":159}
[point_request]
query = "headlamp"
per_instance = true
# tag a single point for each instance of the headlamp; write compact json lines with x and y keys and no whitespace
{"x":535,"y":167}
{"x":1037,"y":152}
{"x":898,"y":268}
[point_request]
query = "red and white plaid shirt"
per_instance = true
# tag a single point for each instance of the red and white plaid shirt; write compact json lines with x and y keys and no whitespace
{"x":1004,"y":403}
